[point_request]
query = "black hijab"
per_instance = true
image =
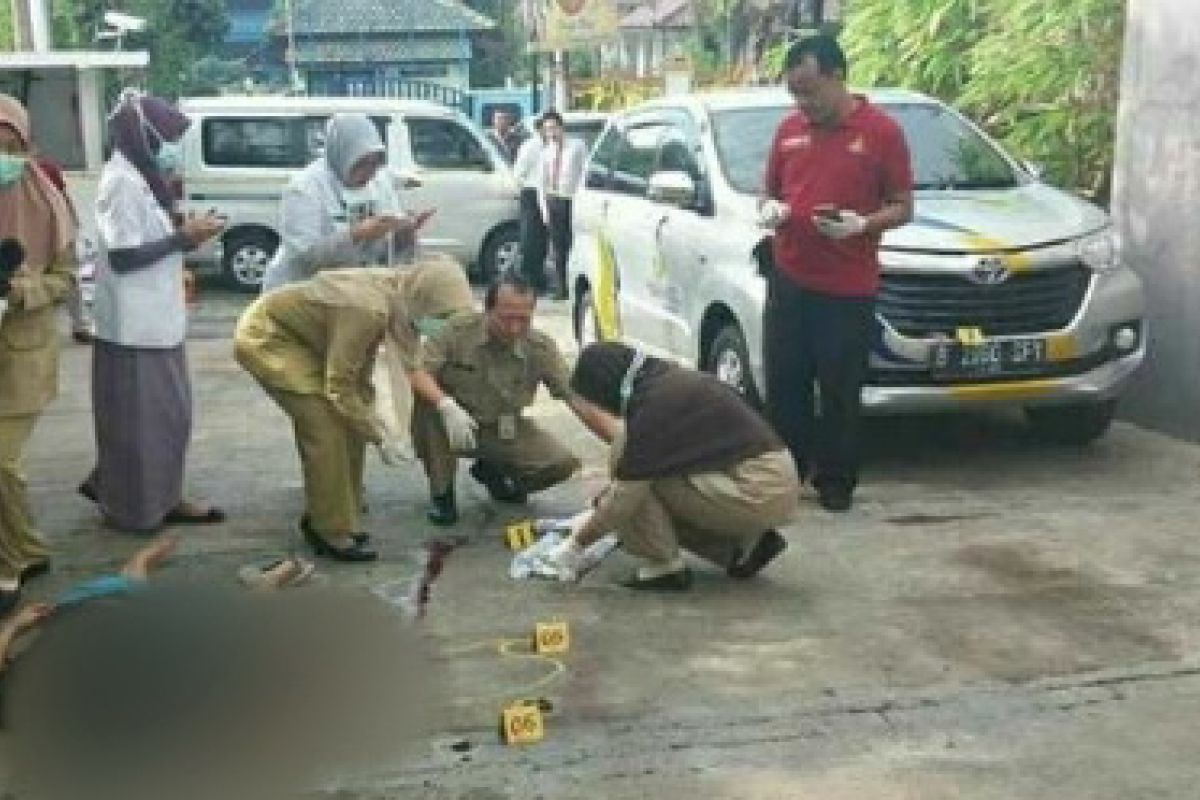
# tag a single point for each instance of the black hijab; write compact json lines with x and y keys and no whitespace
{"x":677,"y":421}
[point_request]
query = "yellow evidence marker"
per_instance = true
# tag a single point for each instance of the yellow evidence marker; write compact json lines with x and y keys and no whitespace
{"x":522,"y":723}
{"x":519,"y":535}
{"x":551,"y":638}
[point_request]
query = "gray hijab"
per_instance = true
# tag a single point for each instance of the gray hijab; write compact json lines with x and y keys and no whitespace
{"x":349,"y":137}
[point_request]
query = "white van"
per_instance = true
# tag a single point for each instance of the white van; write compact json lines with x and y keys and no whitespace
{"x":241,"y":151}
{"x":1002,"y":290}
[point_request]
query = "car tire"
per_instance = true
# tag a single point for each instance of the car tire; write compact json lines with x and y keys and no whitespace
{"x":245,"y":259}
{"x":728,"y":360}
{"x":1075,"y":425}
{"x":501,"y":252}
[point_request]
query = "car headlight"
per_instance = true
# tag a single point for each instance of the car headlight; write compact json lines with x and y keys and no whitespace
{"x":1100,"y":250}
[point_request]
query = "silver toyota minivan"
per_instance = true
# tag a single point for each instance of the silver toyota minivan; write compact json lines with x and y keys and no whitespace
{"x":1002,"y":290}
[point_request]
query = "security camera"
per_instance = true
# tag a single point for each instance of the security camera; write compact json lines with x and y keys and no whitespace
{"x":124,"y":23}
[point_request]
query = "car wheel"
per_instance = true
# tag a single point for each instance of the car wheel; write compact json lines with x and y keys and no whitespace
{"x":1075,"y":425}
{"x":729,"y":361}
{"x":247,"y":255}
{"x":501,"y":254}
{"x":587,"y":326}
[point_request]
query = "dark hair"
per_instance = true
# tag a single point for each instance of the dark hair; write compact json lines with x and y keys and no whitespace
{"x":514,"y":281}
{"x":824,"y":49}
{"x":550,"y":115}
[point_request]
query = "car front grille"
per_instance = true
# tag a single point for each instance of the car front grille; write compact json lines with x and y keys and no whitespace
{"x":922,"y":305}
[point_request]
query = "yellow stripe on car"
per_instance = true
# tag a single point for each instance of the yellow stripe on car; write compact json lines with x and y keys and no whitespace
{"x":1009,"y":390}
{"x":608,"y":320}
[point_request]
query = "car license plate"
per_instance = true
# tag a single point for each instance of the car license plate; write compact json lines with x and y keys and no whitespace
{"x":987,"y":360}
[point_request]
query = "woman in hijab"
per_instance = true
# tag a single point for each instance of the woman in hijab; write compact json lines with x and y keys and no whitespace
{"x":695,"y":468}
{"x":37,"y":270}
{"x":340,"y":211}
{"x":141,"y":393}
{"x":312,"y":346}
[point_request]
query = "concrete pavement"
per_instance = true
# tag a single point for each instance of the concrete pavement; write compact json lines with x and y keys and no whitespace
{"x":996,"y":618}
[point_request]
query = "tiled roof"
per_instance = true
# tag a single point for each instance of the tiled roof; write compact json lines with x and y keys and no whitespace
{"x":322,"y":17}
{"x":356,"y":50}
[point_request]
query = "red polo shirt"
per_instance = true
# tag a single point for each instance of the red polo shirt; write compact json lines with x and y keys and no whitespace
{"x":853,"y":166}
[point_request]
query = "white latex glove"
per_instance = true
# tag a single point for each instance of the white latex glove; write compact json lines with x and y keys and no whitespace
{"x":848,"y":223}
{"x":773,"y":213}
{"x":460,"y":426}
{"x":567,"y":559}
{"x":395,"y":452}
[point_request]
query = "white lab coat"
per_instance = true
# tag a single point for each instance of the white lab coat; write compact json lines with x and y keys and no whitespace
{"x":144,"y":307}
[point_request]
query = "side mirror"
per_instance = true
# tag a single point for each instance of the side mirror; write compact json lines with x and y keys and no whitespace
{"x":672,"y":188}
{"x":1035,"y":170}
{"x":406,"y":179}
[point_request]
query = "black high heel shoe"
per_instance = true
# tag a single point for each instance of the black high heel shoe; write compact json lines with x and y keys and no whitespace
{"x":357,"y":552}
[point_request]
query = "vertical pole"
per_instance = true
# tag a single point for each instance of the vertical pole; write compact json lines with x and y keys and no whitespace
{"x":90,"y":115}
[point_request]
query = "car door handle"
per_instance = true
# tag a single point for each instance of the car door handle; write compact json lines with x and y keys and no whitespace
{"x":658,"y":229}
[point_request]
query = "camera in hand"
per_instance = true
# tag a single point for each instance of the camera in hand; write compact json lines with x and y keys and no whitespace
{"x":12,"y":256}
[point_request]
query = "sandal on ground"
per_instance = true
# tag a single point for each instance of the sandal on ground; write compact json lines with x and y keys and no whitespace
{"x":284,"y":573}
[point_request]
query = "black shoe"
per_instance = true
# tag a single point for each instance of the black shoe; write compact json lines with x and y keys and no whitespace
{"x":35,"y":570}
{"x":671,"y":582}
{"x":836,"y":500}
{"x":502,"y":488}
{"x":768,"y":546}
{"x":359,"y":538}
{"x":443,"y":510}
{"x":356,"y":552}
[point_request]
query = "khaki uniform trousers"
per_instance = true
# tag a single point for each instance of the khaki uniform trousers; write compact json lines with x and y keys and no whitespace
{"x":332,"y":457}
{"x":715,"y":515}
{"x":20,"y":544}
{"x":533,"y":458}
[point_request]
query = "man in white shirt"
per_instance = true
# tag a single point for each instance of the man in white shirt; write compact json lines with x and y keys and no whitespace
{"x":561,"y":174}
{"x":527,"y":169}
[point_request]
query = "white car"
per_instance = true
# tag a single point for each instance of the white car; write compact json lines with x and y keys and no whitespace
{"x":1002,"y":290}
{"x":240,"y":153}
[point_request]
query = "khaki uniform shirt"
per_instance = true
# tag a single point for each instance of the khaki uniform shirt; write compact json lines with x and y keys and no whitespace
{"x":292,"y":344}
{"x":29,"y":339}
{"x":490,"y":379}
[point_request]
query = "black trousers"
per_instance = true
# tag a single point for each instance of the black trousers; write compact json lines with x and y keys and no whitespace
{"x":816,"y":348}
{"x":559,"y":211}
{"x":533,"y":240}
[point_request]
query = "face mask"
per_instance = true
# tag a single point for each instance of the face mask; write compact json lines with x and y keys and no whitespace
{"x":169,"y":157}
{"x":430,"y":326}
{"x":12,"y":168}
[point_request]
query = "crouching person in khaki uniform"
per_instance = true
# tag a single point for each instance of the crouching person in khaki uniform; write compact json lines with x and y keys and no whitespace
{"x":484,"y":371}
{"x":312,"y":346}
{"x":695,"y":468}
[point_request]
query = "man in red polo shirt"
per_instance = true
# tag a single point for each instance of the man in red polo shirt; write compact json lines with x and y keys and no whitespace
{"x":838,"y":177}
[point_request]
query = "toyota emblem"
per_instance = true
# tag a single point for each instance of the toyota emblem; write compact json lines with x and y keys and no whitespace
{"x":989,"y":271}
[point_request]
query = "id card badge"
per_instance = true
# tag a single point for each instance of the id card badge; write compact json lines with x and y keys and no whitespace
{"x":507,"y":427}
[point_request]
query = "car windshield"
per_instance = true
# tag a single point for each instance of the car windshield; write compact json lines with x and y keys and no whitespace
{"x":947,"y":153}
{"x":587,"y":131}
